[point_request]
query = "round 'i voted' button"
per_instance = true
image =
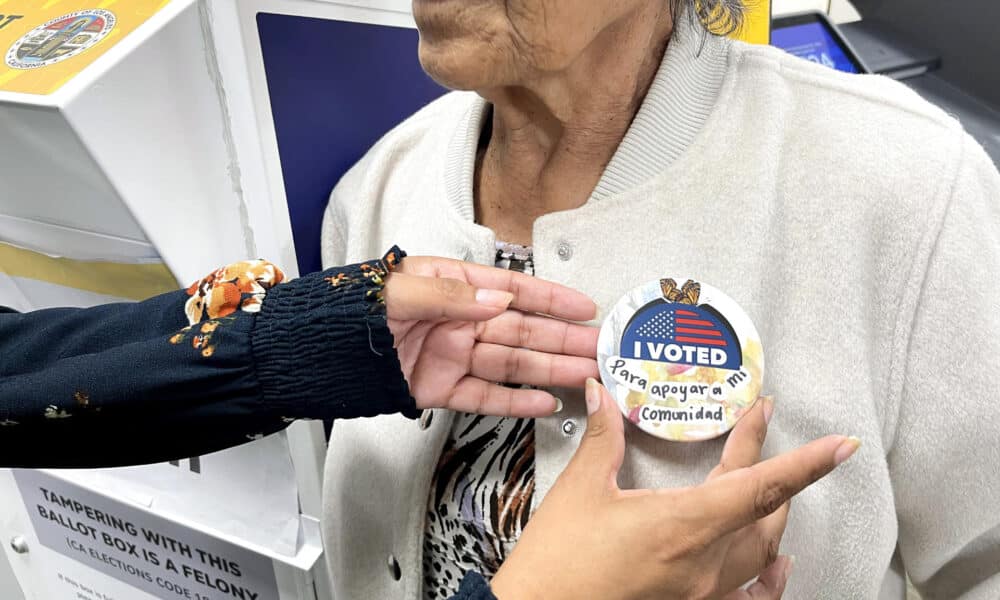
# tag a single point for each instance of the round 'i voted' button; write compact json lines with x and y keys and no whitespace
{"x":681,"y":358}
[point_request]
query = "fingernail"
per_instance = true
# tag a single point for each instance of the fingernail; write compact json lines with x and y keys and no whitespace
{"x":497,"y":298}
{"x":768,"y":408}
{"x":788,"y":566}
{"x":559,"y":406}
{"x":593,"y":395}
{"x":847,"y":448}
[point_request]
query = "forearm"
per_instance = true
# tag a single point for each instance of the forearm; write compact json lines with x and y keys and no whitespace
{"x":265,"y":355}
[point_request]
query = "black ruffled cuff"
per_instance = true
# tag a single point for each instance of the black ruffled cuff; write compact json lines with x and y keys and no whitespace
{"x":323,"y":347}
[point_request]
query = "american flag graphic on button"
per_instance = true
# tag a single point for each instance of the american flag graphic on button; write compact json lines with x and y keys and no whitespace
{"x":682,"y":359}
{"x":681,"y":333}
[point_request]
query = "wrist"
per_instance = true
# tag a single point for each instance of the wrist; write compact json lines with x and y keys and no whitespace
{"x":326,"y":337}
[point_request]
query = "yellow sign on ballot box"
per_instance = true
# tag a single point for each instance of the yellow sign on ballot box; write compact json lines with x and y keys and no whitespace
{"x":45,"y":43}
{"x":756,"y":27}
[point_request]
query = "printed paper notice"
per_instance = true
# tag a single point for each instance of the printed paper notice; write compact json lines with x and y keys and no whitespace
{"x":144,"y":551}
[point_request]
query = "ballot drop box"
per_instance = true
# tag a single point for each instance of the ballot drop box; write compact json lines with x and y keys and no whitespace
{"x":144,"y":143}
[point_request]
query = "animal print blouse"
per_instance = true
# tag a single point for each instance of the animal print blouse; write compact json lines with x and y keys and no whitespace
{"x":481,"y":494}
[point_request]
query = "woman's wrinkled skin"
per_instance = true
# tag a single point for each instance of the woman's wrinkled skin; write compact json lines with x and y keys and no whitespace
{"x":565,"y":79}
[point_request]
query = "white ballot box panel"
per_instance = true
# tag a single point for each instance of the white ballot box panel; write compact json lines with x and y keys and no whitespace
{"x":134,"y":546}
{"x":247,"y":493}
{"x":49,"y":178}
{"x":10,"y":589}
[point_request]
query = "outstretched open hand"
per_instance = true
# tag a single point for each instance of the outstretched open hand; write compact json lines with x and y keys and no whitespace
{"x":460,"y":329}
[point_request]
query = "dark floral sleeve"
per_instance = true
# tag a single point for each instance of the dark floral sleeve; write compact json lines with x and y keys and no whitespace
{"x":236,"y":356}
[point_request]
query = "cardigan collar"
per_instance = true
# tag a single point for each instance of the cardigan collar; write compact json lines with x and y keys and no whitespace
{"x":684,"y":91}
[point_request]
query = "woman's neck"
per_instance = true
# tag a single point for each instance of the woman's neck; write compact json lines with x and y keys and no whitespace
{"x":553,"y":135}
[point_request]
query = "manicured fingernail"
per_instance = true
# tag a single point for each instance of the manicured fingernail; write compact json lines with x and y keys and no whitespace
{"x":847,"y":448}
{"x":768,"y":408}
{"x":788,"y":566}
{"x":496,"y":298}
{"x":593,"y":395}
{"x":559,"y":406}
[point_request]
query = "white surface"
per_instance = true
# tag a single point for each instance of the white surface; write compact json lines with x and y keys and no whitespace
{"x":840,"y":11}
{"x":161,"y":134}
{"x":50,"y":179}
{"x":154,"y":125}
{"x":269,"y":221}
{"x":130,"y":152}
{"x":9,"y":589}
{"x":246,"y":493}
{"x":39,"y":235}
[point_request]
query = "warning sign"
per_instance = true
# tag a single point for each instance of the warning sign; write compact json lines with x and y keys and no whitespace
{"x":137,"y":548}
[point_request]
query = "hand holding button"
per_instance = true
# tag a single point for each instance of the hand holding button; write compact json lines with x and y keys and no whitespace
{"x":460,"y":328}
{"x":591,"y":539}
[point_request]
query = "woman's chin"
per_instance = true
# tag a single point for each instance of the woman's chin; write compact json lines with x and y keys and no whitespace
{"x":457,"y":66}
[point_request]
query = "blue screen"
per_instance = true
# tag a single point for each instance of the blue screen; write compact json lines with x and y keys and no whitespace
{"x":335,"y":87}
{"x":812,"y":41}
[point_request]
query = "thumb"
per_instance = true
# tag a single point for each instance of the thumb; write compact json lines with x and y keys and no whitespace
{"x":602,"y":449}
{"x":417,"y":298}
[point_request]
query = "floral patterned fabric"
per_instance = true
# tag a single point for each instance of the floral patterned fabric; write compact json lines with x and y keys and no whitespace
{"x":239,"y":286}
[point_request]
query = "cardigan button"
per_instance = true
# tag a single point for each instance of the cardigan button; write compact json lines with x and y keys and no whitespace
{"x":569,"y":427}
{"x":565,"y":251}
{"x":394,"y":569}
{"x":426,"y":418}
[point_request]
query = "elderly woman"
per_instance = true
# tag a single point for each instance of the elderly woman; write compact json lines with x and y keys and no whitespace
{"x":606,"y":143}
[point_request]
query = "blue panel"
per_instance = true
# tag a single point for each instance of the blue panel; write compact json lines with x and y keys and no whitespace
{"x":335,"y":88}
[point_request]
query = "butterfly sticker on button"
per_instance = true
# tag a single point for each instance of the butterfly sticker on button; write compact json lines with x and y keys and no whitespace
{"x":683,"y":360}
